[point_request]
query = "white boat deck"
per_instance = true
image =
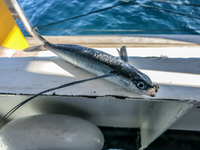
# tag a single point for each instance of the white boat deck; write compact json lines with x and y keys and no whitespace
{"x":175,"y":68}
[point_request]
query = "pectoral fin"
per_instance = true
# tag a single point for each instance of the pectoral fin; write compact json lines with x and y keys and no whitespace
{"x":123,"y":53}
{"x":34,"y":48}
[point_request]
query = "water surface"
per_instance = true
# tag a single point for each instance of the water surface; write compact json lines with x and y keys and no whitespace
{"x":124,"y":20}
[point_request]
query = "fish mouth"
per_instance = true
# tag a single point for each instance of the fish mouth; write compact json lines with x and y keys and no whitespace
{"x":152,"y":91}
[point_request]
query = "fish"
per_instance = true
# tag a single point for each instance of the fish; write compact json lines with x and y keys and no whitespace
{"x":104,"y":65}
{"x":99,"y":63}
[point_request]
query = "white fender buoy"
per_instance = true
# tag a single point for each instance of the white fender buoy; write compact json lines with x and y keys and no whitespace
{"x":51,"y":132}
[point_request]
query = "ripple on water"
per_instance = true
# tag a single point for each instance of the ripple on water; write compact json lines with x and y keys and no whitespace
{"x":125,"y":17}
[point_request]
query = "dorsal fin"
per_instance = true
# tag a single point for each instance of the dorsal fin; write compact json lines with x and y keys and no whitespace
{"x":123,"y":53}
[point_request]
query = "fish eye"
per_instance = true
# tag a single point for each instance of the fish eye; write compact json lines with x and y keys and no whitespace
{"x":141,"y":85}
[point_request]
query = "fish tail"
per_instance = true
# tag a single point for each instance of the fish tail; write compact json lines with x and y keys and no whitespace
{"x":38,"y":36}
{"x":39,"y":47}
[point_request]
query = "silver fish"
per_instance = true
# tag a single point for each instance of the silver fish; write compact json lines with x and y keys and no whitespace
{"x":99,"y":63}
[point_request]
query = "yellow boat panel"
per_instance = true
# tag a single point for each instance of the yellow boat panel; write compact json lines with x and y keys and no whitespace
{"x":11,"y":36}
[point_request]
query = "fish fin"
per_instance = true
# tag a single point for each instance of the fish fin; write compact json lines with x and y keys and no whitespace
{"x":123,"y":53}
{"x":35,"y":48}
{"x":118,"y":51}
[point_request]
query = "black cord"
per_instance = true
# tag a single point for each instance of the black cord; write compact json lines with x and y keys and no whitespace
{"x":129,"y":2}
{"x":96,"y":11}
{"x":51,"y":89}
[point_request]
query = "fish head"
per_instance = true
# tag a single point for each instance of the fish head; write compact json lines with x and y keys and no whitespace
{"x":146,"y":88}
{"x":143,"y":84}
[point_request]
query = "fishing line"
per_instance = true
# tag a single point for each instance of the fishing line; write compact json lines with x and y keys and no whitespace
{"x":96,"y":11}
{"x":127,"y":2}
{"x":51,"y":89}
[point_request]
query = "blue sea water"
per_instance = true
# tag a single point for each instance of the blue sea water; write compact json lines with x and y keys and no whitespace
{"x":126,"y":19}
